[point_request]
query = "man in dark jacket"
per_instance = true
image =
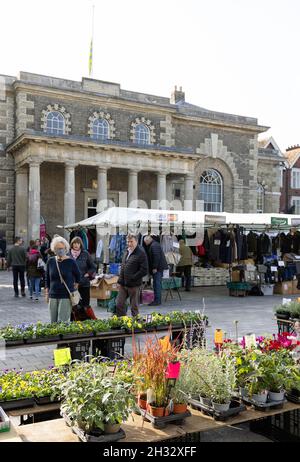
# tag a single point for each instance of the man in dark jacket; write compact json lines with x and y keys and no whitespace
{"x":16,"y":258}
{"x":157,"y":265}
{"x":134,"y":268}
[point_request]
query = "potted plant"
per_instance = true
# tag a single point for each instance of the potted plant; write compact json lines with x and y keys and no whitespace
{"x":179,"y":393}
{"x":257,"y":390}
{"x":277,"y":367}
{"x":149,"y":368}
{"x":282,"y":312}
{"x":223,"y":382}
{"x":94,"y":400}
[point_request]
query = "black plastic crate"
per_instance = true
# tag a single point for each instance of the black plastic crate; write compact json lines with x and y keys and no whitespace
{"x":283,"y":427}
{"x":110,"y":348}
{"x":284,"y":326}
{"x":79,"y":350}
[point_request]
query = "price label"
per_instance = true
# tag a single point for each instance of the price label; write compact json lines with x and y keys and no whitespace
{"x":62,"y":356}
{"x":176,"y":245}
{"x":228,"y":244}
{"x":281,"y":263}
{"x":173,"y":370}
{"x":148,"y":318}
{"x":217,"y":242}
{"x":165,"y":343}
{"x":274,"y":268}
{"x":218,"y":336}
{"x":250,"y":340}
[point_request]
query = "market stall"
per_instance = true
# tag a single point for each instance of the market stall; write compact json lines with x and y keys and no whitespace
{"x":257,"y":252}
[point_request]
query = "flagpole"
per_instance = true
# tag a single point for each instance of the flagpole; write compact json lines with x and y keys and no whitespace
{"x":92,"y":44}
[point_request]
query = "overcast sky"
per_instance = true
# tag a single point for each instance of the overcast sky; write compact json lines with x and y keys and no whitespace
{"x":234,"y":56}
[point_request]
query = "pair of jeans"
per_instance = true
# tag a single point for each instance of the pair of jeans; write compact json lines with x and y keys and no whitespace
{"x":34,"y":287}
{"x":19,"y":272}
{"x":157,"y":277}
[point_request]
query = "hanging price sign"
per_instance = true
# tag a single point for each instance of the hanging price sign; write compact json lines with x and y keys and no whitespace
{"x":62,"y":356}
{"x":173,"y":370}
{"x":218,"y":337}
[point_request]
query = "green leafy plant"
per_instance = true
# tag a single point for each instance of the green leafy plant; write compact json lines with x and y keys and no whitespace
{"x":92,"y":397}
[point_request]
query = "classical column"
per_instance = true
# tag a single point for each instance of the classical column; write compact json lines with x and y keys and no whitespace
{"x":132,"y":187}
{"x":69,"y":196}
{"x":34,"y":201}
{"x":102,"y":189}
{"x":161,"y":186}
{"x":169,"y":189}
{"x":188,"y":192}
{"x":21,"y":207}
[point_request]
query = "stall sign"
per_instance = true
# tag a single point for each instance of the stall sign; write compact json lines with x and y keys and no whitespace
{"x":279,"y":221}
{"x":215,"y":219}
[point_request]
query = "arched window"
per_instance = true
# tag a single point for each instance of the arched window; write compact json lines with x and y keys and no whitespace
{"x":55,"y":123}
{"x":100,"y":129}
{"x":141,"y":134}
{"x":260,"y":198}
{"x":211,"y":191}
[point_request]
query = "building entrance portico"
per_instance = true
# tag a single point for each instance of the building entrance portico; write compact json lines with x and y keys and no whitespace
{"x":65,"y":181}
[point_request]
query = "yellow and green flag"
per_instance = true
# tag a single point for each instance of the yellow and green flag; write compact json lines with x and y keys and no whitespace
{"x":91,"y":59}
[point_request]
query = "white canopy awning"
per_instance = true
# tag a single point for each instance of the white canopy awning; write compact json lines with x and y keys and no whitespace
{"x":122,"y":216}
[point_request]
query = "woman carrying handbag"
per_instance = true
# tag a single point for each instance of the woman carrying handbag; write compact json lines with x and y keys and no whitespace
{"x":62,"y":279}
{"x":87,"y":270}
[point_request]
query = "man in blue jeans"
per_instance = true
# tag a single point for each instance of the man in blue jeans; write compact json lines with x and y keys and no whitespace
{"x":157,"y":265}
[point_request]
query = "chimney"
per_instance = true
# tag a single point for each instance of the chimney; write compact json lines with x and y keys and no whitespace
{"x":177,"y":95}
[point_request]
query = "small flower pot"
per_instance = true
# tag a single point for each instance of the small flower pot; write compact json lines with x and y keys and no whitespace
{"x":205,"y":401}
{"x":276,"y":396}
{"x":156,"y":411}
{"x":142,"y":401}
{"x":260,"y":398}
{"x":111,"y":428}
{"x":179,"y":408}
{"x":221,"y":407}
{"x":243,"y":392}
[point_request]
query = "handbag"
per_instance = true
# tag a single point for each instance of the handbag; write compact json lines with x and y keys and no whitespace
{"x":74,"y":296}
{"x":41,"y":265}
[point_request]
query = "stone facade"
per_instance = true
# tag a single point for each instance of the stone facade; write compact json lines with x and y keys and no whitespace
{"x":184,"y":141}
{"x":7,"y":165}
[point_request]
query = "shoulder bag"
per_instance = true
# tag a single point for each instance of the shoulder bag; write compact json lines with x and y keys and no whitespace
{"x":74,"y":296}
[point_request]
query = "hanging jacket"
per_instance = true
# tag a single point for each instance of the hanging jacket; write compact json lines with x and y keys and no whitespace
{"x":264,"y":246}
{"x":286,"y":243}
{"x":252,"y":243}
{"x":214,"y":244}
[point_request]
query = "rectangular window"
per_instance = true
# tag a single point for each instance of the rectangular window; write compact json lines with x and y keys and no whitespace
{"x":296,"y":203}
{"x":295,"y":178}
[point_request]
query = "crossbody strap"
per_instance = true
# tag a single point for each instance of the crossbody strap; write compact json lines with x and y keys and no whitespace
{"x":61,"y":278}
